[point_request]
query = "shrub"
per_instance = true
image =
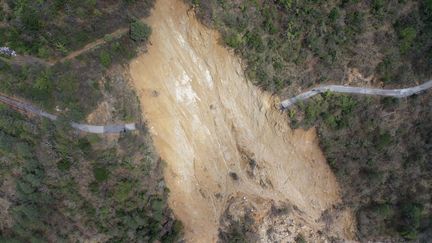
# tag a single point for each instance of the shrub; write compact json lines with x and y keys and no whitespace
{"x":122,"y":191}
{"x":407,"y":37}
{"x":139,"y":31}
{"x":347,"y":104}
{"x":100,"y":174}
{"x":428,"y":5}
{"x":105,"y":59}
{"x":377,"y":6}
{"x":385,"y":69}
{"x":355,"y":21}
{"x":383,"y":210}
{"x":411,"y":214}
{"x":233,"y":40}
{"x":43,"y":82}
{"x":331,"y":121}
{"x":2,"y":13}
{"x":384,"y":139}
{"x":254,"y":41}
{"x":285,"y":3}
{"x":334,"y":14}
{"x":312,"y":112}
{"x":64,"y":165}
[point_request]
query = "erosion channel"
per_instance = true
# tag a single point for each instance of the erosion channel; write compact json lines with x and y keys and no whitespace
{"x":228,"y":150}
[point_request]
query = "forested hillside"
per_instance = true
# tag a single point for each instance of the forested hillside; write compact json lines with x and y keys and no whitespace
{"x":57,"y":185}
{"x":379,"y":148}
{"x":52,"y":28}
{"x":289,"y":43}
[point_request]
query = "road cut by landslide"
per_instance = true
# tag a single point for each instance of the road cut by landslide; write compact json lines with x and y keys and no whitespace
{"x":221,"y":137}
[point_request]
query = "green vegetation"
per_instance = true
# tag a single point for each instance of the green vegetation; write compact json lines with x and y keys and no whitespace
{"x":50,"y":194}
{"x":289,"y":43}
{"x":139,"y":31}
{"x":378,"y":148}
{"x":70,"y":86}
{"x":53,"y":28}
{"x":379,"y":159}
{"x":105,"y":59}
{"x":407,"y":36}
{"x":410,"y":220}
{"x":55,"y":184}
{"x":64,"y":165}
{"x":100,"y":174}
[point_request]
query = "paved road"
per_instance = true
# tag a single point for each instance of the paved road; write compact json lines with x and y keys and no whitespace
{"x":28,"y":108}
{"x":117,"y":128}
{"x":397,"y":93}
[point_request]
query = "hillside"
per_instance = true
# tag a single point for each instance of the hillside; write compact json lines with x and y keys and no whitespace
{"x":213,"y":157}
{"x":59,"y":185}
{"x":230,"y":154}
{"x":379,"y":148}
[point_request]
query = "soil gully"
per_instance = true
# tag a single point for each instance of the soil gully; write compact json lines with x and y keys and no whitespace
{"x":205,"y":116}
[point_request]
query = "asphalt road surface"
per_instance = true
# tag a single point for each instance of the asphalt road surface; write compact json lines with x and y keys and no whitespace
{"x":28,"y":108}
{"x":397,"y":93}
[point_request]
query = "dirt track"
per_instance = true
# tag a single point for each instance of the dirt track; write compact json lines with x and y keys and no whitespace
{"x":92,"y":45}
{"x":220,"y":136}
{"x":26,"y":59}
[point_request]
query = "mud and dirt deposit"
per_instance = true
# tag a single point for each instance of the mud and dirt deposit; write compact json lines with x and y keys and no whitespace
{"x":219,"y":135}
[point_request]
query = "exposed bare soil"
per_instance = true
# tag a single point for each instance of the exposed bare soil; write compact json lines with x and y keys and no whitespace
{"x":221,"y":137}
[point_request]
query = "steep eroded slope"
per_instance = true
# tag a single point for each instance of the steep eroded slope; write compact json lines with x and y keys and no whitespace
{"x":221,"y":137}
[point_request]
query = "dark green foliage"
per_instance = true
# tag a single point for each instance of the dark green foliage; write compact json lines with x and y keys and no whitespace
{"x":55,"y":178}
{"x":407,"y":37}
{"x":100,"y":173}
{"x":310,"y":41}
{"x":105,"y":59}
{"x":47,"y":202}
{"x":175,"y":233}
{"x":139,"y":31}
{"x":410,"y":220}
{"x":233,"y":40}
{"x":383,"y":140}
{"x":123,"y":190}
{"x":64,"y":165}
{"x":285,"y":3}
{"x":334,"y":14}
{"x":377,"y":159}
{"x":71,"y":24}
{"x":333,"y":110}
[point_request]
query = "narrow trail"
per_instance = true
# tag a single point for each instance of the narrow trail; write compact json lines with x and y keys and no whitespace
{"x":28,"y":59}
{"x":397,"y":93}
{"x":30,"y":109}
{"x":116,"y":34}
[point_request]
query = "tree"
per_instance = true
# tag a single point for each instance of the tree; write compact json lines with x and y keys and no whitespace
{"x":105,"y":59}
{"x":139,"y":31}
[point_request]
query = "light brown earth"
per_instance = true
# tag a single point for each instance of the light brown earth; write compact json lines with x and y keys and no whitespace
{"x":208,"y":122}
